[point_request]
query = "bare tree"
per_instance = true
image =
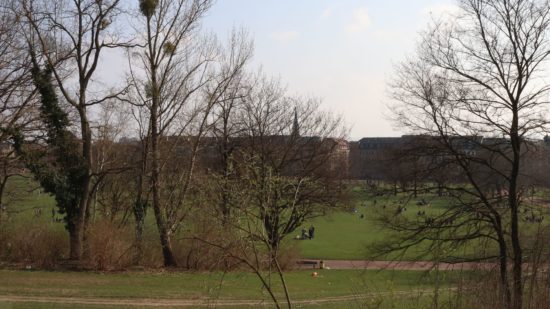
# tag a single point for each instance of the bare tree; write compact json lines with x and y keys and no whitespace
{"x":69,"y":38}
{"x":479,"y":75}
{"x":232,"y":88}
{"x":183,"y":77}
{"x":289,"y":165}
{"x":290,"y":155}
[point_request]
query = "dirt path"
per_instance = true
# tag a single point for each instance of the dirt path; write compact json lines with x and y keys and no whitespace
{"x":111,"y":302}
{"x":404,"y":265}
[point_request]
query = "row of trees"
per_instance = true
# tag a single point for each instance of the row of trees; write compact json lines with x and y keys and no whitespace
{"x":203,"y":131}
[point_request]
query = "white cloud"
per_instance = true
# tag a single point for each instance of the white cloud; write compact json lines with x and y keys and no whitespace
{"x":361,"y":21}
{"x":326,"y":13}
{"x":440,"y":10}
{"x":286,"y":36}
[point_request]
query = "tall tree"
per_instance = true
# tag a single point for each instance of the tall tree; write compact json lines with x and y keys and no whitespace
{"x":290,"y":166}
{"x":70,"y":37}
{"x":59,"y":168}
{"x":174,"y":69}
{"x":479,"y":74}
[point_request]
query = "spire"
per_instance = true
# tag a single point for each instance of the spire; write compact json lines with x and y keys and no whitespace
{"x":296,"y":126}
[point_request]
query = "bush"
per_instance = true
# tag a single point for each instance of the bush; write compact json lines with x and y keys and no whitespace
{"x":110,"y":247}
{"x":39,"y":246}
{"x":194,"y":252}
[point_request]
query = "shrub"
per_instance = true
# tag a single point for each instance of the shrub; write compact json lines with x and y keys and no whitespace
{"x":40,"y":246}
{"x":110,"y":247}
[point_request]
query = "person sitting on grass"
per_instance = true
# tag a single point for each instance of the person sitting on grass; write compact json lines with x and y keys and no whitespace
{"x":304,"y":234}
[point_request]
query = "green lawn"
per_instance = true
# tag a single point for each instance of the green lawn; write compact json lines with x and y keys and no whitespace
{"x":235,"y":285}
{"x":23,"y":195}
{"x":341,"y":236}
{"x":347,"y":235}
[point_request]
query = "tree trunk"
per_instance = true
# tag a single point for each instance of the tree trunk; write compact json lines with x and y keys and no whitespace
{"x":139,"y":216}
{"x":80,"y":220}
{"x":167,"y":252}
{"x":86,"y":250}
{"x":75,"y":242}
{"x":169,"y":260}
{"x":517,"y":261}
{"x":514,"y":205}
{"x":503,"y":264}
{"x":2,"y":188}
{"x":283,"y":282}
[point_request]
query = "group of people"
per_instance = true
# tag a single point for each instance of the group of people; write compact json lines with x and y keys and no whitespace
{"x":309,"y":233}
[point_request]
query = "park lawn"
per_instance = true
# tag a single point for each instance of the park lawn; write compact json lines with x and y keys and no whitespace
{"x":345,"y":236}
{"x":23,"y":195}
{"x":341,"y":236}
{"x":234,"y":285}
{"x":350,"y":235}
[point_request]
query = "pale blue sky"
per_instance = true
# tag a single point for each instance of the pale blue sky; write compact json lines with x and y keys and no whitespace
{"x":341,"y":51}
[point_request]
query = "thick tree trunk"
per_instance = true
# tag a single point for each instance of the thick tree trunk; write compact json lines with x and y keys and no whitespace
{"x":517,"y":255}
{"x":517,"y":275}
{"x":514,"y":235}
{"x":79,"y":224}
{"x":75,"y":243}
{"x":167,"y":252}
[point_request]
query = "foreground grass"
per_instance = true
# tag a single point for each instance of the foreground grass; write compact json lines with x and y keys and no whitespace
{"x":380,"y":302}
{"x":235,"y":285}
